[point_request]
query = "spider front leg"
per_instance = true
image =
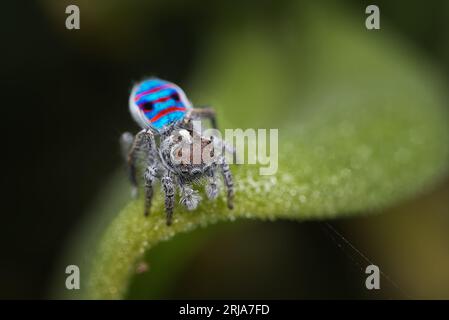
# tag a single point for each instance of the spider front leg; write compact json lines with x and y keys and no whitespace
{"x":204,"y":113}
{"x":227,"y":177}
{"x":143,"y":142}
{"x":189,"y":197}
{"x":126,"y":142}
{"x":149,"y":176}
{"x":126,"y":145}
{"x":212,"y":186}
{"x":169,"y":189}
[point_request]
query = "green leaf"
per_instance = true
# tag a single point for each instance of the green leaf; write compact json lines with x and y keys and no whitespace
{"x":362,"y":125}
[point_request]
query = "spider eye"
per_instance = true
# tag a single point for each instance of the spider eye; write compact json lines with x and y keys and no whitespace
{"x":147,"y":106}
{"x":185,"y":134}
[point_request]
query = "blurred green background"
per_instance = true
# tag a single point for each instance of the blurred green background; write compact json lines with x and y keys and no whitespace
{"x":65,"y":106}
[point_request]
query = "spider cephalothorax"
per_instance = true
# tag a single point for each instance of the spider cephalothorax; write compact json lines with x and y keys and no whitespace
{"x":171,"y":149}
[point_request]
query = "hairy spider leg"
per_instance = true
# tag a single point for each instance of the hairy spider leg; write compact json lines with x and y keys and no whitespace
{"x":227,"y":177}
{"x":169,"y":190}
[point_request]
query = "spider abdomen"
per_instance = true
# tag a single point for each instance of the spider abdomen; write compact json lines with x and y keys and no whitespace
{"x":156,"y":103}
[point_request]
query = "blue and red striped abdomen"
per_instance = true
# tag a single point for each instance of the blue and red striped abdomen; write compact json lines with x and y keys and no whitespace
{"x":156,"y":103}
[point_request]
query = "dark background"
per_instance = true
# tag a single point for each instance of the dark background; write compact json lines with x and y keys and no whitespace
{"x":64,"y":105}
